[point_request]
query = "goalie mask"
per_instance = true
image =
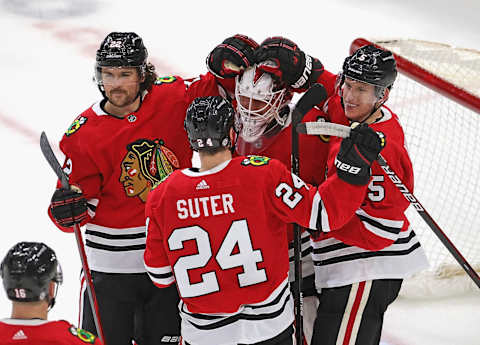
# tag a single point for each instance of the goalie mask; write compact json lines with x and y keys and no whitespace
{"x":259,"y":103}
{"x":27,"y":271}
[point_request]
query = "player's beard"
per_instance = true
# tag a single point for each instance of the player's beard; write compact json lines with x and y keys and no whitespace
{"x":121,"y":98}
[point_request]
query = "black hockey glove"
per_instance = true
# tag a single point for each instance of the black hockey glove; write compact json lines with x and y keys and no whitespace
{"x":286,"y":62}
{"x":357,"y":153}
{"x":232,"y":56}
{"x":68,"y":207}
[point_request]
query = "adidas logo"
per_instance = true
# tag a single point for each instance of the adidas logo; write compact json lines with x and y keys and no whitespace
{"x":202,"y":185}
{"x":19,"y":336}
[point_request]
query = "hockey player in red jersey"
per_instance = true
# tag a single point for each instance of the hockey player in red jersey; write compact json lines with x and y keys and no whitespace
{"x":359,"y":267}
{"x":31,"y":274}
{"x":116,"y":150}
{"x":218,"y":232}
{"x":263,"y":98}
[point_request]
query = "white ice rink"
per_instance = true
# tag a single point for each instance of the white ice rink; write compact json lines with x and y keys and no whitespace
{"x":47,"y":52}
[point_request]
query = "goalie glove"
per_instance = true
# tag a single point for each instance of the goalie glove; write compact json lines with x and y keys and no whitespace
{"x":68,"y":206}
{"x":287,"y":63}
{"x":232,"y":56}
{"x":357,"y":153}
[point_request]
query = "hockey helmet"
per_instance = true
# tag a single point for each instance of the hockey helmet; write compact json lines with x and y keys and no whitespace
{"x":121,"y":49}
{"x":27,"y":270}
{"x":371,"y":65}
{"x":208,"y":122}
{"x":259,"y":101}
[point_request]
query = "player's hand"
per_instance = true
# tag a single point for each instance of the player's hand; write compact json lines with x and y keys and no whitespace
{"x":68,"y":206}
{"x":357,"y":153}
{"x":284,"y":60}
{"x":232,"y":56}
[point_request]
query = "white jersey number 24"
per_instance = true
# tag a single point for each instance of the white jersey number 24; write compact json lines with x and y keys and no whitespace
{"x":237,"y":236}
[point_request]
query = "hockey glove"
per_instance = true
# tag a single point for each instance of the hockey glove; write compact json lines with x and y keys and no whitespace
{"x":232,"y":56}
{"x":68,"y":207}
{"x":357,"y":153}
{"x":287,"y":63}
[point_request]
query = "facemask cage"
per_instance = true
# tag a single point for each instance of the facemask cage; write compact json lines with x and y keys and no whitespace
{"x":258,"y":103}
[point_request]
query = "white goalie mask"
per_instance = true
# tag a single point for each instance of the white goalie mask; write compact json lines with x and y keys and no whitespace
{"x":258,"y":103}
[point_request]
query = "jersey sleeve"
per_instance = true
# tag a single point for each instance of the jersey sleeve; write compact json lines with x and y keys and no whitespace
{"x":155,"y":258}
{"x":292,"y":199}
{"x":377,"y":220}
{"x":209,"y":85}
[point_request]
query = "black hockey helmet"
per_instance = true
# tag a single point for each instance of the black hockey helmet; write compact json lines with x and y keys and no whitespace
{"x":122,"y":49}
{"x":372,"y":65}
{"x":27,"y":270}
{"x":208,"y":122}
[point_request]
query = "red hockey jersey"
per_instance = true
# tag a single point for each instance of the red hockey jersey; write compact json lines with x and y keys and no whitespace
{"x":220,"y":234}
{"x":376,"y":240}
{"x":43,"y":332}
{"x":116,"y":161}
{"x":313,"y":152}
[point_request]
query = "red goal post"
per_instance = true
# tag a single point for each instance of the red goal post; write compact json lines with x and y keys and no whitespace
{"x":437,"y":98}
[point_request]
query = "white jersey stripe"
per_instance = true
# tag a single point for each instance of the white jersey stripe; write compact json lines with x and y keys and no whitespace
{"x":359,"y":314}
{"x":346,"y":315}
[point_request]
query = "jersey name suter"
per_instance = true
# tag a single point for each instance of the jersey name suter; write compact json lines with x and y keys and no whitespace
{"x":206,"y":206}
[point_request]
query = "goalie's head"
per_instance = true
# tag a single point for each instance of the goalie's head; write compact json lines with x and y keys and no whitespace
{"x":208,"y":123}
{"x":28,"y":271}
{"x":260,"y":100}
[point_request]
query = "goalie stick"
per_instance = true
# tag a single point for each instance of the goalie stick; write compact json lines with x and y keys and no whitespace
{"x":314,"y":95}
{"x":327,"y":128}
{"x":52,"y":160}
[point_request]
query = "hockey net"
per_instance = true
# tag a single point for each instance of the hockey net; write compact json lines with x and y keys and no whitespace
{"x":437,"y":98}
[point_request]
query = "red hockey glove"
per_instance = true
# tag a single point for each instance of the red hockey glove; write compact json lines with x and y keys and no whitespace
{"x":232,"y":56}
{"x":68,"y":207}
{"x":287,"y":63}
{"x":357,"y":153}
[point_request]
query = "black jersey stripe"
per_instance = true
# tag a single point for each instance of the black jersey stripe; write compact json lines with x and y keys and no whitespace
{"x":160,"y":275}
{"x":304,"y":253}
{"x":390,"y":229}
{"x":365,"y":255}
{"x":95,"y":245}
{"x":241,"y":316}
{"x":115,"y":237}
{"x":275,"y":301}
{"x":340,"y":245}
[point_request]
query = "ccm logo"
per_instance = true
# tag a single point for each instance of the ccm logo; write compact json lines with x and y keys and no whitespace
{"x":347,"y":167}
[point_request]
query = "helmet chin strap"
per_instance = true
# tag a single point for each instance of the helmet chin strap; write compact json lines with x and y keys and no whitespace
{"x":374,"y":110}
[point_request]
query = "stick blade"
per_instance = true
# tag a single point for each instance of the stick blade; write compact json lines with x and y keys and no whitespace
{"x":324,"y":128}
{"x":52,"y":160}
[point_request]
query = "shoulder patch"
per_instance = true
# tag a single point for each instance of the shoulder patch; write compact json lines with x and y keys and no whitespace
{"x":165,"y":80}
{"x":82,"y":334}
{"x":75,"y":126}
{"x":255,"y":161}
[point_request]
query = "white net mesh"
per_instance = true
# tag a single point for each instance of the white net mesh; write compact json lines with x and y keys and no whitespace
{"x":444,"y":144}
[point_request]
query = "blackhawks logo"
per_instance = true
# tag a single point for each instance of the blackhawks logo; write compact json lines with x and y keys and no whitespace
{"x":146,"y":163}
{"x":255,"y":160}
{"x":75,"y":126}
{"x":82,"y":334}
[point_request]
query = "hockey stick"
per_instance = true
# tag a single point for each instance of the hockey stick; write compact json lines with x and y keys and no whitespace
{"x":325,"y":128}
{"x":52,"y":160}
{"x":315,"y":95}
